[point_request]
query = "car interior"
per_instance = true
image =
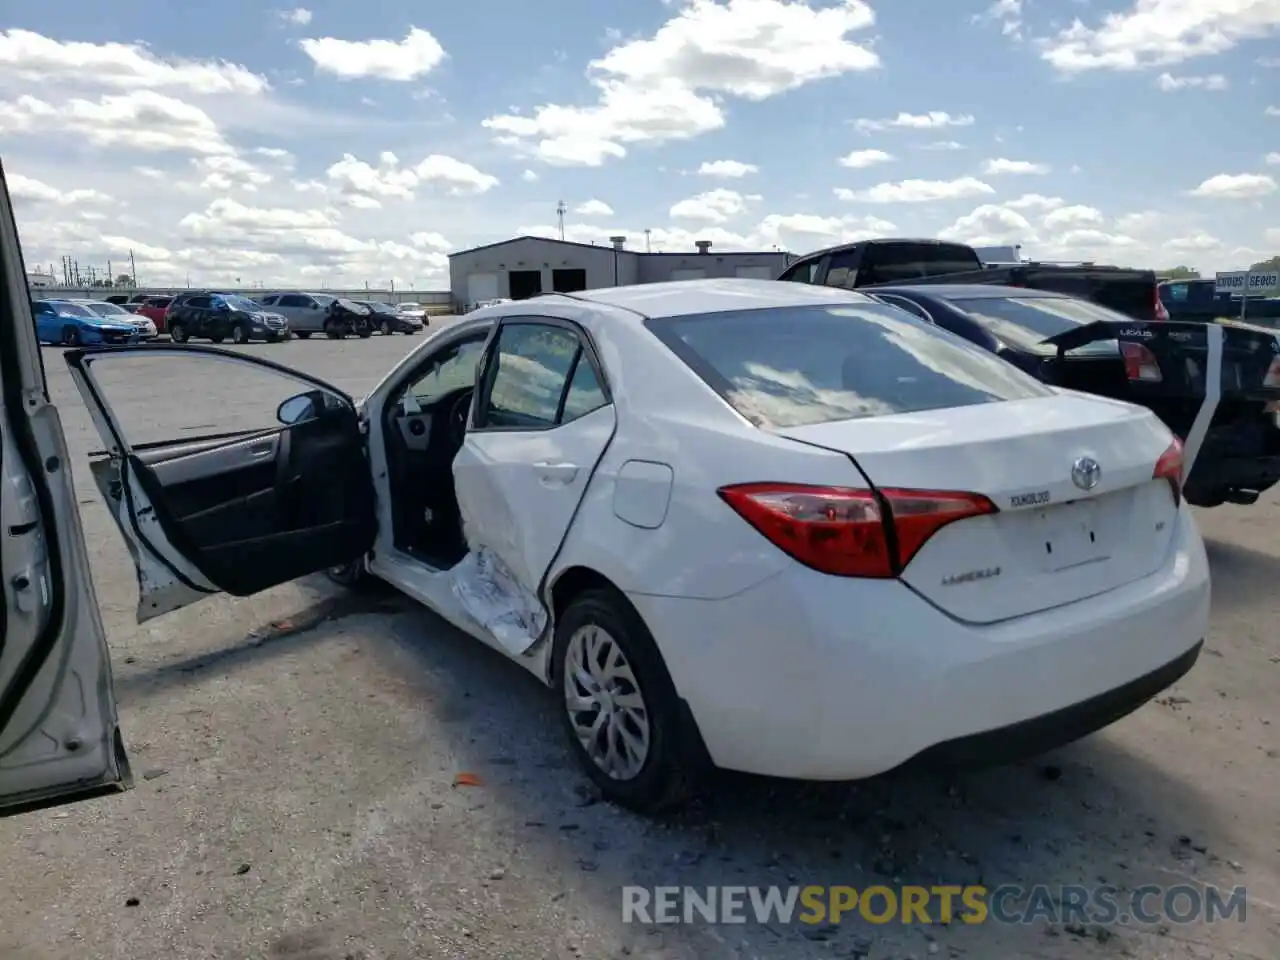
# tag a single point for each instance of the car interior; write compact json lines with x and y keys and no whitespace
{"x":425,"y":428}
{"x":252,"y":510}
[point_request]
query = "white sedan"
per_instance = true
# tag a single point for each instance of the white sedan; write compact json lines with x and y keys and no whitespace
{"x":768,"y":527}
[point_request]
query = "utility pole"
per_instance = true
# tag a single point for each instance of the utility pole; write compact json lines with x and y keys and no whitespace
{"x":111,"y":277}
{"x":647,"y":248}
{"x":133,"y":268}
{"x":561,"y":209}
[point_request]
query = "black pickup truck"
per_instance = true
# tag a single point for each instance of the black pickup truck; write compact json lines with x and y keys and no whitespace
{"x":869,"y":263}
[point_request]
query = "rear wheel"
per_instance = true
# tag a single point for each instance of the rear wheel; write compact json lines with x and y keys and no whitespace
{"x":386,"y":328}
{"x":619,"y":707}
{"x":70,"y":337}
{"x":366,"y":332}
{"x":239,"y":334}
{"x":178,"y":333}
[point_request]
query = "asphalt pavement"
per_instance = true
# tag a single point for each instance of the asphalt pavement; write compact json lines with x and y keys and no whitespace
{"x":299,"y":754}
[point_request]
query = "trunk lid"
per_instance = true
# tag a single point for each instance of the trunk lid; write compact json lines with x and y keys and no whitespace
{"x":1051,"y":542}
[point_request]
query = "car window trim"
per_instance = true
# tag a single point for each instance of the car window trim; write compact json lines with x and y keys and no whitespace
{"x":488,"y":371}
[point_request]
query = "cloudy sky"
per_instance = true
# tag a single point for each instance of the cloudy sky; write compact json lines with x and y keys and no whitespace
{"x":345,"y":143}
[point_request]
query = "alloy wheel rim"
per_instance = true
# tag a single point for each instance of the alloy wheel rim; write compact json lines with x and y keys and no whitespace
{"x":606,"y":708}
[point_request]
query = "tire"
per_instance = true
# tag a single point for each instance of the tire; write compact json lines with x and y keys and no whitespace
{"x":666,"y":774}
{"x":178,"y":333}
{"x":356,"y":576}
{"x":239,"y":334}
{"x":386,"y":328}
{"x":70,"y":337}
{"x":366,"y":332}
{"x":302,"y":334}
{"x":333,"y":331}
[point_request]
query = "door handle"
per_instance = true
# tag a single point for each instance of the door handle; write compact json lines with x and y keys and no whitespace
{"x":559,"y":473}
{"x":262,"y":449}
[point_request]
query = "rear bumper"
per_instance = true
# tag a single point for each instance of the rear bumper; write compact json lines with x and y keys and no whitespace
{"x":825,"y":678}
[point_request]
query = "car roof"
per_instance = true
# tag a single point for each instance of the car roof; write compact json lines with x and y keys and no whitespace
{"x":969,"y":291}
{"x":678,"y":298}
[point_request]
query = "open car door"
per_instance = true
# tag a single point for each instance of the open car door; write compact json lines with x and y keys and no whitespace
{"x":59,"y":733}
{"x":231,"y":512}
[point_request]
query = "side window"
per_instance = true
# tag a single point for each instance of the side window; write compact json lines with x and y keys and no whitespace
{"x":1177,"y":292}
{"x":840,"y":273}
{"x":454,"y":370}
{"x":585,"y":393}
{"x":902,"y":303}
{"x":41,"y":308}
{"x":292,"y":300}
{"x":199,"y":303}
{"x":532,"y":365}
{"x":804,"y":272}
{"x":268,"y":301}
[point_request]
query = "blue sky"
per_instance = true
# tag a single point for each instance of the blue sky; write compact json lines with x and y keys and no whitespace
{"x":344,"y":143}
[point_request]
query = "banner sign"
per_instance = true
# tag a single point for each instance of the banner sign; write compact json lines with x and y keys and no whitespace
{"x":1242,"y":282}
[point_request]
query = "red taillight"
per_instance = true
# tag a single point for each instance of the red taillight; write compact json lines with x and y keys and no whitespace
{"x":1162,"y":312}
{"x":849,"y":532}
{"x":1169,"y":467}
{"x":1140,"y":363}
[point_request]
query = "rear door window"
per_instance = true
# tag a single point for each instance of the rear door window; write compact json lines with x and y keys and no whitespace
{"x":804,"y":272}
{"x":791,"y":366}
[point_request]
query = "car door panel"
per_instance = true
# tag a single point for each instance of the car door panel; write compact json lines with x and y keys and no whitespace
{"x":235,"y":514}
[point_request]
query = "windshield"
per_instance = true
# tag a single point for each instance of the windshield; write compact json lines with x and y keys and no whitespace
{"x":106,"y":309}
{"x":243,"y":303}
{"x":1026,"y":321}
{"x":72,"y":309}
{"x":791,"y":366}
{"x":407,"y":307}
{"x":352,"y":305}
{"x":323,"y":299}
{"x":380,"y":307}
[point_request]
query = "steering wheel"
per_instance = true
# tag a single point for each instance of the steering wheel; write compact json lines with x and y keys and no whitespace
{"x":459,"y":412}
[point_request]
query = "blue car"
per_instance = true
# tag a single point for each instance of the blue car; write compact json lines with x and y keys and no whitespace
{"x":72,"y":325}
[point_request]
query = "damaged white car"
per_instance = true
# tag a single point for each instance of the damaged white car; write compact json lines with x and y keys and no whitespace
{"x":769,"y":527}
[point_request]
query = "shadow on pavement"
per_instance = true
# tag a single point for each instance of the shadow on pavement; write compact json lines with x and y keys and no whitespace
{"x":1242,"y":576}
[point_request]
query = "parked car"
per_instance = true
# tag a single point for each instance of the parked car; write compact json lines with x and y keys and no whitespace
{"x":310,"y":313}
{"x":222,"y":316}
{"x":1200,"y":300}
{"x":675,"y":504}
{"x":72,"y":324}
{"x":154,"y":309}
{"x":869,"y":263}
{"x":146,"y":329}
{"x":413,"y":311}
{"x":387,"y":320}
{"x":1228,"y":422}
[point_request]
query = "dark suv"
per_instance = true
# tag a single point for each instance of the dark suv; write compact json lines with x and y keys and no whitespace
{"x":222,"y":316}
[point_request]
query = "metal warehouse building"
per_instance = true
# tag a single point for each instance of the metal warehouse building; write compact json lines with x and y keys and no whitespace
{"x":527,"y":266}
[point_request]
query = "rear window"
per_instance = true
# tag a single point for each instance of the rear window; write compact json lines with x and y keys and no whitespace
{"x":791,"y":366}
{"x":1026,"y":321}
{"x":894,"y":262}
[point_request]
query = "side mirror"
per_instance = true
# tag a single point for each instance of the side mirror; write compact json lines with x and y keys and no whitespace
{"x":297,"y":409}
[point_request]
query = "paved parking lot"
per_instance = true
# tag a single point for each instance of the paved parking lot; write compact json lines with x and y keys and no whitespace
{"x":296,"y":756}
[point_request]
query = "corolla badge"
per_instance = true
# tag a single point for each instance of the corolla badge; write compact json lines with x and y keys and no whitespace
{"x":1085,"y":473}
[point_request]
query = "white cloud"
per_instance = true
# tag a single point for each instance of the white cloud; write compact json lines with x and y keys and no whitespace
{"x":123,"y":66}
{"x":1195,"y":243}
{"x":990,"y":225}
{"x":1214,"y":81}
{"x":933,"y":120}
{"x":1035,"y":201}
{"x":714,"y":206}
{"x":593,"y":208}
{"x":1074,"y":217}
{"x":728,"y":169}
{"x":297,"y":17}
{"x":917,"y":191}
{"x":1273,"y":158}
{"x":1007,"y":13}
{"x":529,"y":177}
{"x":1239,"y":186}
{"x":224,"y":172}
{"x":664,"y":87}
{"x":942,"y":145}
{"x":1272,"y":112}
{"x":139,"y":120}
{"x":401,"y":60}
{"x":363,"y":185}
{"x":1160,"y":32}
{"x":25,"y":188}
{"x":860,"y":159}
{"x":1017,"y":167}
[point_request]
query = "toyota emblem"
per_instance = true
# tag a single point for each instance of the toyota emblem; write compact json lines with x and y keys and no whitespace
{"x":1085,"y":473}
